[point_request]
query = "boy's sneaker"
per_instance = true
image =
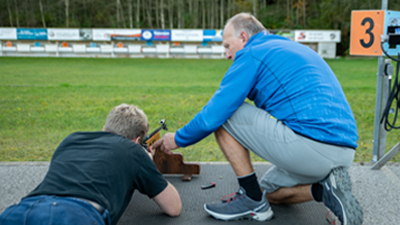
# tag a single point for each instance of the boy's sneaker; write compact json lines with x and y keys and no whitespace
{"x":338,"y":198}
{"x":241,"y":207}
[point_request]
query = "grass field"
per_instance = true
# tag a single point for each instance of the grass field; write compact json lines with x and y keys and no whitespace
{"x":42,"y":100}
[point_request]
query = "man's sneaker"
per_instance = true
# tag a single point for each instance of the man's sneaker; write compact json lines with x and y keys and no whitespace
{"x":338,"y":198}
{"x":241,"y":207}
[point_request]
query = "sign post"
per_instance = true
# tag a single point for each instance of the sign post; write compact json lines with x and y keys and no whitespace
{"x":366,"y":30}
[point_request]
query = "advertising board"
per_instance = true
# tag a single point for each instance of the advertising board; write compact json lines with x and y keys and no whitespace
{"x":187,"y":35}
{"x":156,"y":35}
{"x":8,"y":34}
{"x":31,"y":34}
{"x":212,"y":35}
{"x":61,"y":34}
{"x":116,"y":34}
{"x":310,"y":36}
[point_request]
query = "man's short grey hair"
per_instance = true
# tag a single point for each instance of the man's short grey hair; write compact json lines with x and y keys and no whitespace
{"x":245,"y":22}
{"x":128,"y":121}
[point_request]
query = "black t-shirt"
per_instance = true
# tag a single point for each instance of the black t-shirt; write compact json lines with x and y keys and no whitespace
{"x":102,"y":167}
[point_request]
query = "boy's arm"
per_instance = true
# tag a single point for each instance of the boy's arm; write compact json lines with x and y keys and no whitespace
{"x":169,"y":201}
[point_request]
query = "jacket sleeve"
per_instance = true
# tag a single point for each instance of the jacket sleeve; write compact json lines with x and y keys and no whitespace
{"x":233,"y":90}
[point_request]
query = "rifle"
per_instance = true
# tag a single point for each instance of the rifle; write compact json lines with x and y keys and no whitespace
{"x":169,"y":164}
{"x":149,"y":140}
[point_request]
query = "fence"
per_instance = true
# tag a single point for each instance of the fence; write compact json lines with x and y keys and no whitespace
{"x":59,"y":42}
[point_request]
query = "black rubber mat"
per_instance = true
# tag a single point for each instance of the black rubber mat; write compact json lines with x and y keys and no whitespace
{"x":142,"y":210}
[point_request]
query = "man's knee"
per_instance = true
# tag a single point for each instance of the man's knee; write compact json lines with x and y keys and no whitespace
{"x":221,"y":133}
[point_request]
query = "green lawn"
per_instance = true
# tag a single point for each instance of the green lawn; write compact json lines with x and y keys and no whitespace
{"x":42,"y":100}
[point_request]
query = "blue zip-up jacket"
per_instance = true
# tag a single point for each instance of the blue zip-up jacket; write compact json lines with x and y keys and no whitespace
{"x":287,"y":79}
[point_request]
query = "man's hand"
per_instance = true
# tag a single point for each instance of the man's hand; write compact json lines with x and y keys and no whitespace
{"x":166,"y":143}
{"x":151,"y":152}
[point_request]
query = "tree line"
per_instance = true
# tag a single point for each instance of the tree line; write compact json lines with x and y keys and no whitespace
{"x":185,"y":14}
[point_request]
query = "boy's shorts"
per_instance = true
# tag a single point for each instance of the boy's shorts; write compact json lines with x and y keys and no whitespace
{"x":296,"y":158}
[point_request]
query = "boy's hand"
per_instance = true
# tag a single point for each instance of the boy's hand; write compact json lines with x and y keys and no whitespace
{"x":151,"y":152}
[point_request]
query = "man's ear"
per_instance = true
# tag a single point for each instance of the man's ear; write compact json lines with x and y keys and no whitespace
{"x":245,"y":37}
{"x":104,"y":128}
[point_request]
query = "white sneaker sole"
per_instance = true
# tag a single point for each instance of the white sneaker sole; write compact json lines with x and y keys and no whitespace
{"x":352,"y":210}
{"x":251,"y":215}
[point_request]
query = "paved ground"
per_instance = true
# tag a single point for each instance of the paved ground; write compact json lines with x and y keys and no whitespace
{"x":377,"y":190}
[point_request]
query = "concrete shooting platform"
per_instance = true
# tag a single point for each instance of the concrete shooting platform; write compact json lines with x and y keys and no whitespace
{"x":378,"y":191}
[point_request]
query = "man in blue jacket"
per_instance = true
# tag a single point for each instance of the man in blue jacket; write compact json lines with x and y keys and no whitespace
{"x":301,"y":123}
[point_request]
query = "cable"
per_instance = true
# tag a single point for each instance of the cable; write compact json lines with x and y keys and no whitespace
{"x":394,"y":96}
{"x":390,"y":57}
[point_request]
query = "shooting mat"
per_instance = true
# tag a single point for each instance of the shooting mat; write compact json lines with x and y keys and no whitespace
{"x":142,"y":210}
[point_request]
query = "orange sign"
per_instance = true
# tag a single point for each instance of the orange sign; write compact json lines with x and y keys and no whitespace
{"x":366,"y":30}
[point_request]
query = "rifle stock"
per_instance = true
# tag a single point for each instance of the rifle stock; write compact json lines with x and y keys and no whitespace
{"x":169,"y":164}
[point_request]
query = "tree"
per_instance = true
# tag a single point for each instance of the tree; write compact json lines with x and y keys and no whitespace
{"x":130,"y":14}
{"x":203,"y":15}
{"x":148,"y":7}
{"x":211,"y":15}
{"x":222,"y":14}
{"x":179,"y":13}
{"x":162,"y":14}
{"x":9,"y":13}
{"x":255,"y":8}
{"x":16,"y":12}
{"x":170,"y":13}
{"x":66,"y":2}
{"x":138,"y":13}
{"x":117,"y":12}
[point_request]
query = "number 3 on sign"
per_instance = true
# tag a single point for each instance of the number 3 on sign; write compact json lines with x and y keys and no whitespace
{"x":366,"y":30}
